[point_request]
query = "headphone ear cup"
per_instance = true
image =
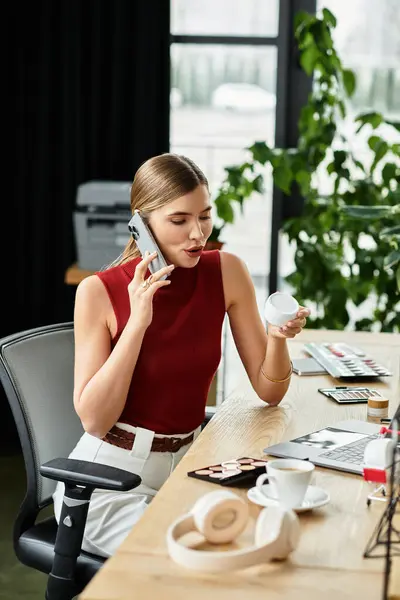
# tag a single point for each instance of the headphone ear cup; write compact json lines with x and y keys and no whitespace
{"x":275,"y":524}
{"x":220,"y":516}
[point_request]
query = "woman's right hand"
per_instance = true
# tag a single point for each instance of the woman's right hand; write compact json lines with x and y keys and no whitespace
{"x":141,"y":295}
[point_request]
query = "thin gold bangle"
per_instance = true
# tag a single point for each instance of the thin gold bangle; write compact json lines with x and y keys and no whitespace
{"x":288,"y":376}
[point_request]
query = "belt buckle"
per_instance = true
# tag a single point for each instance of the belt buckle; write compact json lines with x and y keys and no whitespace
{"x":175,"y":444}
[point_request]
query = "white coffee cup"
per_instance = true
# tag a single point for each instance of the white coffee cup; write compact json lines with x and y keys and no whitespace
{"x":280,"y":308}
{"x":288,"y":480}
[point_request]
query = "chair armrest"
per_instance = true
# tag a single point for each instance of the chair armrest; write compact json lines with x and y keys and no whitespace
{"x":86,"y":473}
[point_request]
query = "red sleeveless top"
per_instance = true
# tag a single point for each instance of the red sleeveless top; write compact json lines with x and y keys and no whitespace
{"x":181,"y":348}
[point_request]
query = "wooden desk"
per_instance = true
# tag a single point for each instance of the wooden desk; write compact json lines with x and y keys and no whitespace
{"x":329,"y":561}
{"x":74,"y":275}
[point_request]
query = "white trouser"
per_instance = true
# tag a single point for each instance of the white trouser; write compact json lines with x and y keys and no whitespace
{"x":112,"y":514}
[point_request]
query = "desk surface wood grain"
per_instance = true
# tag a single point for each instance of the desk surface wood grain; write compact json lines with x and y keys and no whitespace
{"x":329,"y":559}
{"x":74,"y":275}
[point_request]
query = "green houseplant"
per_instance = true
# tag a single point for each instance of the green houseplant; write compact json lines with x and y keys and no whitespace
{"x":391,"y":234}
{"x":338,"y":259}
{"x":235,"y":188}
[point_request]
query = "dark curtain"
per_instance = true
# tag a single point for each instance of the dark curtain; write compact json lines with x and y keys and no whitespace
{"x":87,"y":84}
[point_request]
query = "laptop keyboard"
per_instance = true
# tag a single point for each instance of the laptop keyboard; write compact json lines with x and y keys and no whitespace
{"x":350,"y":453}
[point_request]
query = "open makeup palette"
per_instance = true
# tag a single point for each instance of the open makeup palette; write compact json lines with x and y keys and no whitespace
{"x":235,"y":472}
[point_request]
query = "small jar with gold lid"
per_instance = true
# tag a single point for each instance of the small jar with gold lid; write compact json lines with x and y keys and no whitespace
{"x":377,"y":409}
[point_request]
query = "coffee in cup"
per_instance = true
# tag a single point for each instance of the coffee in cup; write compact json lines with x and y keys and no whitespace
{"x":287,"y":469}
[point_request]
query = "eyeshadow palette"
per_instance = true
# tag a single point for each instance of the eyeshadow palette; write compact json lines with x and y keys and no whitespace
{"x":350,"y":395}
{"x":235,"y":472}
{"x":346,"y":362}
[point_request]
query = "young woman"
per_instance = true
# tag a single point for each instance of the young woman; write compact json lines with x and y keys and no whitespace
{"x":146,"y":348}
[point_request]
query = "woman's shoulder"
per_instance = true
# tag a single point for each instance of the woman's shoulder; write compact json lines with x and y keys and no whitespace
{"x":222,"y":258}
{"x":227,"y":263}
{"x":89,"y":287}
{"x":231,"y":264}
{"x":99,"y":285}
{"x":91,"y":297}
{"x":236,"y":278}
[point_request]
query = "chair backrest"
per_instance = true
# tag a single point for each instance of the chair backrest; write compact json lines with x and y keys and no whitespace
{"x":36,"y":371}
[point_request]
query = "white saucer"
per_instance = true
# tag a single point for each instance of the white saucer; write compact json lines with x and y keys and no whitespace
{"x":314,"y":498}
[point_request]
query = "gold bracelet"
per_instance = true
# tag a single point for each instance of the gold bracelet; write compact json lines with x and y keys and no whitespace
{"x":278,"y":380}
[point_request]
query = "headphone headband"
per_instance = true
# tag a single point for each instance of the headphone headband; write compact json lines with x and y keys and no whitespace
{"x":220,"y":517}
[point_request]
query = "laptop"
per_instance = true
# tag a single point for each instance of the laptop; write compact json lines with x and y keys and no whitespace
{"x":338,"y":447}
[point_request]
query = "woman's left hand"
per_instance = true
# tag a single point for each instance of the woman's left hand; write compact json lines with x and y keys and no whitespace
{"x":292,"y":328}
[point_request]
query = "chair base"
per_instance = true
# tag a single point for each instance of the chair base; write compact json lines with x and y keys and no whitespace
{"x":36,"y":550}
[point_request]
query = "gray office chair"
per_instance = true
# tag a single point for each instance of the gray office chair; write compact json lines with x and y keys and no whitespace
{"x":36,"y":371}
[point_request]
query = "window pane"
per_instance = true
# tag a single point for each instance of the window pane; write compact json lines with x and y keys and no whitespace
{"x":225,"y":17}
{"x":367,"y":37}
{"x":223,"y":100}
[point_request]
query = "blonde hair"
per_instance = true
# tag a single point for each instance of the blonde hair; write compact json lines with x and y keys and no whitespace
{"x":158,"y":181}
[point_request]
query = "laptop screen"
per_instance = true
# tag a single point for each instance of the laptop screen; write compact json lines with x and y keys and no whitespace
{"x":331,"y":438}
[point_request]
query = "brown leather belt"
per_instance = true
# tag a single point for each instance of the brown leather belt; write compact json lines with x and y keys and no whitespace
{"x":124,"y":439}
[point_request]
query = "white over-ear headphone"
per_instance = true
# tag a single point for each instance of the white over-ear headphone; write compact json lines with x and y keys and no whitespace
{"x":221,"y":516}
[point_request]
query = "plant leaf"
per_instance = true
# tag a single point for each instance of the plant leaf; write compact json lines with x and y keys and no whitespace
{"x":329,"y":17}
{"x":331,"y":168}
{"x":308,"y":59}
{"x":390,"y":231}
{"x":224,"y":210}
{"x":374,"y":141}
{"x":367,"y":212}
{"x":303,"y":178}
{"x":283,"y":178}
{"x":234,"y":177}
{"x":342,"y":108}
{"x":396,"y":149}
{"x":301,"y":19}
{"x":390,"y":171}
{"x":258,"y":184}
{"x":372,"y":118}
{"x":359,"y":165}
{"x":349,"y":81}
{"x":261,"y":152}
{"x":380,"y":150}
{"x":392,"y":259}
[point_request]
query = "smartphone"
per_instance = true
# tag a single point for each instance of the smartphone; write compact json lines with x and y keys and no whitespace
{"x":145,"y":242}
{"x":307,"y":366}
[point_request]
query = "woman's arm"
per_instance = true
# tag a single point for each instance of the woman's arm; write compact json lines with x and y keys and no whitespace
{"x":258,"y":351}
{"x":102,"y":377}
